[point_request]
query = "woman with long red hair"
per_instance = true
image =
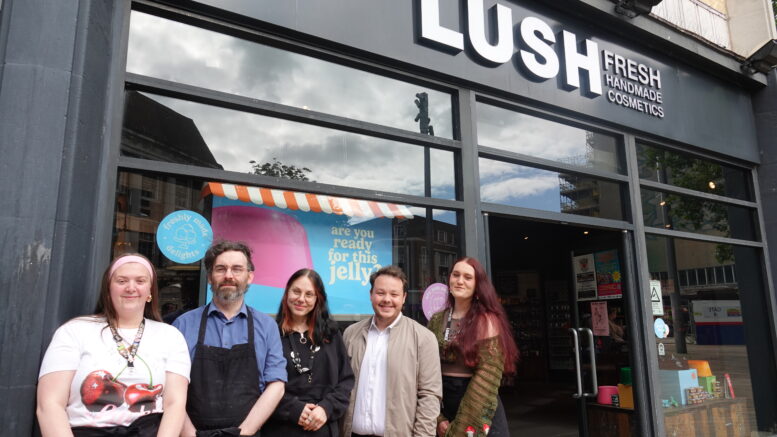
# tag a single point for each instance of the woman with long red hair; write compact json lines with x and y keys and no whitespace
{"x":476,"y":349}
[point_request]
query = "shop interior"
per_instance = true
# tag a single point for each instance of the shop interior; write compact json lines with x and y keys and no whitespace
{"x":532,"y":269}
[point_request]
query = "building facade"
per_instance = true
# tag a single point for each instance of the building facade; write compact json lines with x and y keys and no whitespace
{"x":616,"y":173}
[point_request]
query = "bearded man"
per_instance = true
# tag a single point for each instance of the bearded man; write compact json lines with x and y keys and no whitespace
{"x":238,"y":370}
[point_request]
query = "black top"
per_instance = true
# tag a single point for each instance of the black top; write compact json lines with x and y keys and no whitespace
{"x":329,"y":387}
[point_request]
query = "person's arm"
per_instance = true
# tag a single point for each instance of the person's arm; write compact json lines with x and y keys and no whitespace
{"x":174,"y":401}
{"x":263,"y":408}
{"x":478,"y":405}
{"x":188,"y":429}
{"x":53,"y":394}
{"x":336,"y":401}
{"x":429,"y":391}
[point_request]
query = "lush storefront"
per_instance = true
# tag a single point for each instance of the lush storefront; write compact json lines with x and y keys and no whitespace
{"x":344,"y":135}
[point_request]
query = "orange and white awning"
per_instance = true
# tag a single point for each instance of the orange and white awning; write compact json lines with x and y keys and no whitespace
{"x":307,"y":202}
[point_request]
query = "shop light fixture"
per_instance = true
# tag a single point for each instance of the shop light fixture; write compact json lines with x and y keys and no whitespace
{"x":633,"y":8}
{"x":711,"y":185}
{"x":763,"y":59}
{"x":663,"y":203}
{"x":585,"y":232}
{"x":525,"y":238}
{"x":667,"y":226}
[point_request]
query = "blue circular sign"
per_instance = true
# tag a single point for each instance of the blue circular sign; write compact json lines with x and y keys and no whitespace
{"x":184,"y":236}
{"x":661,"y":328}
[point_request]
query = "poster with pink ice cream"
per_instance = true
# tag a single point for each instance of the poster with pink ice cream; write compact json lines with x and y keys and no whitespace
{"x":343,"y":250}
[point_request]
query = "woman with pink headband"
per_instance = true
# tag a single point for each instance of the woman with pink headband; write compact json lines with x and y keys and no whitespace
{"x":119,"y":371}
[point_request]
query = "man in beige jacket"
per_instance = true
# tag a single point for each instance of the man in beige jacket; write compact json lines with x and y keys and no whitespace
{"x":397,"y":367}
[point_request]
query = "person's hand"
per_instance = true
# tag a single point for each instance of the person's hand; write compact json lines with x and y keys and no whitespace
{"x":316,"y":418}
{"x":305,"y":415}
{"x":442,"y":428}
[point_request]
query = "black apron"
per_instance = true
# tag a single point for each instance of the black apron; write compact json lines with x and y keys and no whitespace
{"x":224,"y":382}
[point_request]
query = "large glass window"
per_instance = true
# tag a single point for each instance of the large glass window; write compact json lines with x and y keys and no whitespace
{"x":173,"y":130}
{"x":715,"y":358}
{"x":691,"y":214}
{"x":182,"y":53}
{"x":343,"y":239}
{"x":694,"y":173}
{"x":528,"y":187}
{"x":534,"y":136}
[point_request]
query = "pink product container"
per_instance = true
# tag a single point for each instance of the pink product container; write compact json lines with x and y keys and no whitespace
{"x":605,"y":394}
{"x":279,"y":242}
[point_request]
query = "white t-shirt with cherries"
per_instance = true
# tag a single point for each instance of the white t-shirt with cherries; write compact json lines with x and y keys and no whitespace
{"x":105,"y":391}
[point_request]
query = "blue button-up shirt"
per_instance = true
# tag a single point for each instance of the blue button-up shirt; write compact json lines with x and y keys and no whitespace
{"x":225,"y":333}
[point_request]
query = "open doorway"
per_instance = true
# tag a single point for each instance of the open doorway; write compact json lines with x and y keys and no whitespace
{"x":544,"y":296}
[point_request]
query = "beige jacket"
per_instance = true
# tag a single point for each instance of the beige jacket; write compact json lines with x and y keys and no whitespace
{"x":414,"y":378}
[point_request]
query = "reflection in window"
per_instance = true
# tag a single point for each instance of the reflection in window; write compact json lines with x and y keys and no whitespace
{"x":715,"y":329}
{"x":172,"y":130}
{"x":538,"y":137}
{"x":529,"y":187}
{"x":343,"y":239}
{"x":687,"y":171}
{"x":689,"y":214}
{"x":178,"y":52}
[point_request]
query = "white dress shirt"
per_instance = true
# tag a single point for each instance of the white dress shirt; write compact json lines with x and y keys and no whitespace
{"x":369,"y":413}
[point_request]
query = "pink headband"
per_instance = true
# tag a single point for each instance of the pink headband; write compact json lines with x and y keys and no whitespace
{"x":131,"y":259}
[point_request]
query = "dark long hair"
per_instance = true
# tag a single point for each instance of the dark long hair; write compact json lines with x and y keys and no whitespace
{"x":105,"y":304}
{"x":320,"y":327}
{"x":485,"y":308}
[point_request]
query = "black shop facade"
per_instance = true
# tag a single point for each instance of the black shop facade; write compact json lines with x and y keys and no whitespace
{"x":607,"y":177}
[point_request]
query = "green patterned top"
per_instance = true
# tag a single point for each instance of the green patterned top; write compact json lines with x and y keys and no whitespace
{"x":479,"y":403}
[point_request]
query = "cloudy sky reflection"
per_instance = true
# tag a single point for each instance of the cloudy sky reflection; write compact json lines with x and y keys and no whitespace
{"x":334,"y":157}
{"x":186,"y":54}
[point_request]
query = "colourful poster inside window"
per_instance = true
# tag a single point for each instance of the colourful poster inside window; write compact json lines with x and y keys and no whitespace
{"x":585,"y":277}
{"x":599,"y":321}
{"x":343,"y":250}
{"x":608,"y":274}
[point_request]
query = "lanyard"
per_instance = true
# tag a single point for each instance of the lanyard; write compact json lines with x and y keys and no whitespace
{"x":448,"y":325}
{"x":128,"y":355}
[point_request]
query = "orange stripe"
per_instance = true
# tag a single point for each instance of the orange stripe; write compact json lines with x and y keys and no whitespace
{"x":267,"y":197}
{"x":395,"y":210}
{"x":291,"y":201}
{"x":313,"y":202}
{"x":217,"y":188}
{"x":242,"y":193}
{"x":335,"y":205}
{"x":356,"y":208}
{"x":375,"y":209}
{"x":206,"y":190}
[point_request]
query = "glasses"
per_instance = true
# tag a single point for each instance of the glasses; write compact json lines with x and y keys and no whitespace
{"x":222,"y":270}
{"x":297,"y":293}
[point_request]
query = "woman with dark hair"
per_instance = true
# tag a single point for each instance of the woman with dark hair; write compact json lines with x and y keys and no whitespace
{"x":320,"y":376}
{"x":476,"y":349}
{"x":120,"y":371}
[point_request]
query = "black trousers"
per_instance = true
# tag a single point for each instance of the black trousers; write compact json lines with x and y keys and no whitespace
{"x":453,"y":389}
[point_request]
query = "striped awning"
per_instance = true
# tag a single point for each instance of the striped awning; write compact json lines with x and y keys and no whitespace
{"x":307,"y":201}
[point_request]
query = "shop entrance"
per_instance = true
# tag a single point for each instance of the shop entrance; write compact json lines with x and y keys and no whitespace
{"x":561,"y":285}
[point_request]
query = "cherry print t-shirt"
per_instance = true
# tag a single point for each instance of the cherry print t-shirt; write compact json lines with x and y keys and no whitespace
{"x":105,"y":391}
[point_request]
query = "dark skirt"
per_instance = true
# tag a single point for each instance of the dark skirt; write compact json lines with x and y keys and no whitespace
{"x":453,"y":389}
{"x":144,"y":426}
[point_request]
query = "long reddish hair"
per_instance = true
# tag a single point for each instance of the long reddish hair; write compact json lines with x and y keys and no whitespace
{"x":485,"y":308}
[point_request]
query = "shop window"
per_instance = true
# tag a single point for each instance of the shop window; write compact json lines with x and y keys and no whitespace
{"x":182,"y":53}
{"x":172,"y":130}
{"x":538,"y":137}
{"x":687,"y":171}
{"x":691,"y":214}
{"x":528,"y":187}
{"x":343,"y":239}
{"x":715,"y":363}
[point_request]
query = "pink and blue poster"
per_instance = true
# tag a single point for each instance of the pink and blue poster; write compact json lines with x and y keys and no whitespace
{"x":343,"y":250}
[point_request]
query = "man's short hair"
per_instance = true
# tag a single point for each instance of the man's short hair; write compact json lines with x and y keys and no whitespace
{"x":222,"y":246}
{"x":393,"y":271}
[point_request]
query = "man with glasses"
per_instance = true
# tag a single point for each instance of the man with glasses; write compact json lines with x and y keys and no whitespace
{"x":238,"y":369}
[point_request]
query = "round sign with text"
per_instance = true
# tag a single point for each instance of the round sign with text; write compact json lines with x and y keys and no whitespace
{"x":435,"y":299}
{"x":184,"y":236}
